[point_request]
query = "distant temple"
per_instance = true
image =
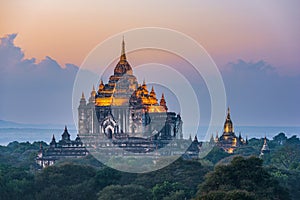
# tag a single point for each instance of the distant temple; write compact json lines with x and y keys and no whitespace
{"x":265,"y":148}
{"x":228,"y":141}
{"x":64,"y":148}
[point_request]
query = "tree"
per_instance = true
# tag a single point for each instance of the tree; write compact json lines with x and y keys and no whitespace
{"x":287,"y":156}
{"x":280,"y":138}
{"x":126,"y":192}
{"x":67,"y":181}
{"x":15,"y":183}
{"x":230,"y":195}
{"x":107,"y":176}
{"x":165,"y":189}
{"x":216,"y":154}
{"x":246,"y":176}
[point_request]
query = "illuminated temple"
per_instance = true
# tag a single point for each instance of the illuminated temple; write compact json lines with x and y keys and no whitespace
{"x":124,"y":111}
{"x":228,"y":141}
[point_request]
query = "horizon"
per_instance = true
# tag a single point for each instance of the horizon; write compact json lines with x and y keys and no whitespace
{"x":37,"y":134}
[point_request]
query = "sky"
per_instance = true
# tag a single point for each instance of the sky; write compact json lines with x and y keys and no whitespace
{"x":255,"y":45}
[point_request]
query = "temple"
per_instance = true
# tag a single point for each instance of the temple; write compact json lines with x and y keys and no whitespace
{"x":265,"y":148}
{"x":123,"y":118}
{"x":228,"y":141}
{"x":63,"y":149}
{"x":122,"y":108}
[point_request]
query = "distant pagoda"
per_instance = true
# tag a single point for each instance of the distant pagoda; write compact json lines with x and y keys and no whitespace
{"x":265,"y":148}
{"x":228,"y":141}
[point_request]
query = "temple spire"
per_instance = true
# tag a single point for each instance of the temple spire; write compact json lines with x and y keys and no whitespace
{"x":228,"y":126}
{"x":93,"y":93}
{"x":123,"y":55}
{"x":228,"y":113}
{"x":163,"y":102}
{"x":101,"y":86}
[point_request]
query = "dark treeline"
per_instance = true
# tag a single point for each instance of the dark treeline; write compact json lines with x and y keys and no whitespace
{"x":219,"y":175}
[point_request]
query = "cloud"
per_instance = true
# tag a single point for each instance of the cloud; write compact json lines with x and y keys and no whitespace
{"x":34,"y":92}
{"x":258,"y":95}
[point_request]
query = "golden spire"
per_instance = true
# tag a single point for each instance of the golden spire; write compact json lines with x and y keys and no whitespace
{"x":228,"y":126}
{"x":153,"y":99}
{"x":101,"y":86}
{"x":123,"y":55}
{"x":228,"y":113}
{"x":144,"y":85}
{"x":93,"y":93}
{"x":163,"y":102}
{"x":152,"y":93}
{"x":217,"y":137}
{"x":82,"y":96}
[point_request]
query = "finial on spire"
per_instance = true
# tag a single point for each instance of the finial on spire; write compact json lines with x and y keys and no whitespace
{"x":93,"y":94}
{"x":123,"y":55}
{"x":228,"y":113}
{"x":265,"y":139}
{"x":66,"y":129}
{"x":82,"y":95}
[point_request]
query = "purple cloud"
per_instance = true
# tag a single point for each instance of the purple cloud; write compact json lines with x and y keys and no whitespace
{"x":34,"y":92}
{"x":258,"y":95}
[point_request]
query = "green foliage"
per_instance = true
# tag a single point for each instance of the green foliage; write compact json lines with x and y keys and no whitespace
{"x":242,"y":174}
{"x":228,"y":195}
{"x":216,"y":154}
{"x":83,"y":178}
{"x":177,"y":195}
{"x":20,"y":155}
{"x":288,"y":179}
{"x":107,"y":176}
{"x":88,"y":160}
{"x":15,"y":183}
{"x":189,"y":174}
{"x":126,"y":192}
{"x":67,"y":182}
{"x":280,"y":139}
{"x":160,"y":191}
{"x":287,"y":156}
